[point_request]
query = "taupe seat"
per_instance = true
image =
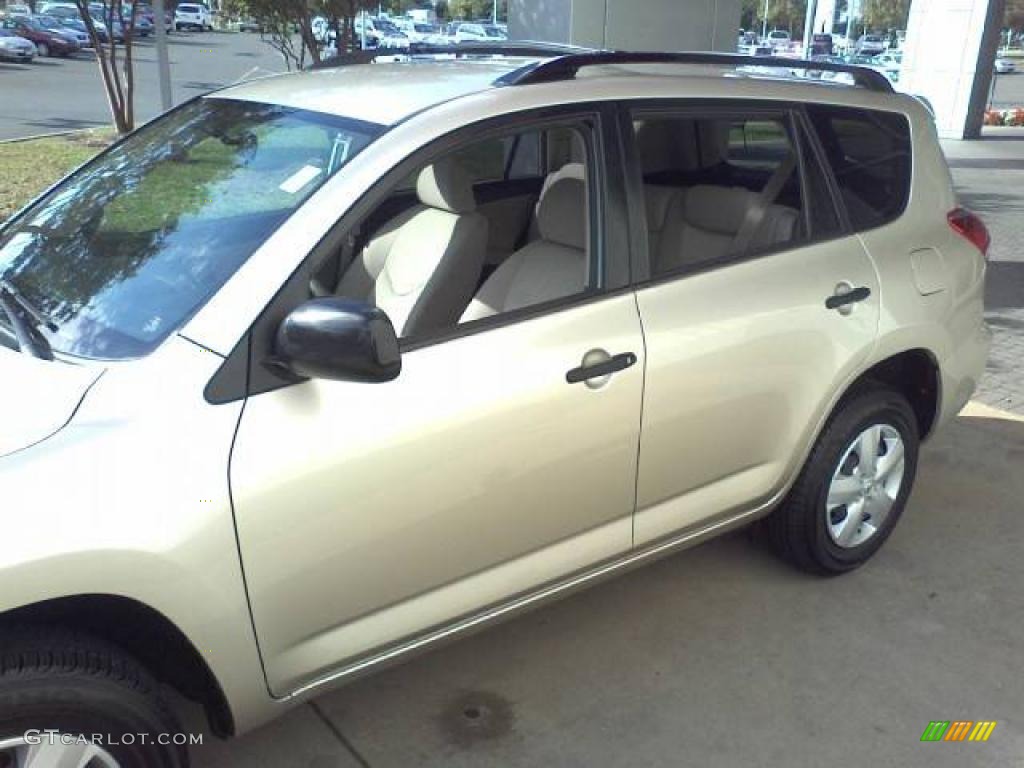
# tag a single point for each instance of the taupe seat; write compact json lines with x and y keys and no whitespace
{"x":550,"y":267}
{"x":703,"y":223}
{"x":423,"y":266}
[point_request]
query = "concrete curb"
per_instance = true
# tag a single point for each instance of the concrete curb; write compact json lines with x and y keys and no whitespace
{"x":46,"y":135}
{"x":976,"y":410}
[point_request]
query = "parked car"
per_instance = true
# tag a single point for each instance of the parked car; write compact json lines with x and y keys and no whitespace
{"x":17,"y":9}
{"x":379,"y":33}
{"x":870,"y":45}
{"x":470,"y":33}
{"x":821,"y":45}
{"x":47,"y":43}
{"x":192,"y":16}
{"x":495,"y":33}
{"x":275,"y":418}
{"x":249,"y":24}
{"x":15,"y":47}
{"x":889,"y":64}
{"x":1005,"y":66}
{"x":58,"y":26}
{"x":778,"y":38}
{"x":70,"y":16}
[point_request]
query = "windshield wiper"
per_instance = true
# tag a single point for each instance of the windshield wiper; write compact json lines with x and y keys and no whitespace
{"x":25,"y":320}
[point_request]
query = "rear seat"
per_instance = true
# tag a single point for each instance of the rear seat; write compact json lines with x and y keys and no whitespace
{"x":687,"y":222}
{"x":701,"y":224}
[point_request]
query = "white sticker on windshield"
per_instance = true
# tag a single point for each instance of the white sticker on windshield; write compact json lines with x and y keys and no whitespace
{"x":300,"y":178}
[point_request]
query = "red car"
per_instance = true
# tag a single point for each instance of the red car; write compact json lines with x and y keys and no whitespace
{"x":47,"y":43}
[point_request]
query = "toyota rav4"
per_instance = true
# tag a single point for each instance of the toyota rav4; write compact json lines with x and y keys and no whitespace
{"x":317,"y":370}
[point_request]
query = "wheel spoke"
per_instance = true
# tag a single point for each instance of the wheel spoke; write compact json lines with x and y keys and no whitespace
{"x":854,"y":516}
{"x":892,"y":460}
{"x":845,"y":489}
{"x":56,"y":754}
{"x":868,"y":450}
{"x":877,"y":507}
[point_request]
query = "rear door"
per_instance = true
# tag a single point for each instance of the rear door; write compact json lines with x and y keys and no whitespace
{"x":746,"y":348}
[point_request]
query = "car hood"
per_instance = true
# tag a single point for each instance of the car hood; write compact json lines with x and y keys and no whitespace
{"x":38,"y":397}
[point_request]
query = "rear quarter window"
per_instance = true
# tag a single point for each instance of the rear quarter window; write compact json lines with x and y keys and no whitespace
{"x":870,"y":155}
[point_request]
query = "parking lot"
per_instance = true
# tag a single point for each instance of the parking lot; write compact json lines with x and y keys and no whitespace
{"x":62,"y":94}
{"x":73,"y":97}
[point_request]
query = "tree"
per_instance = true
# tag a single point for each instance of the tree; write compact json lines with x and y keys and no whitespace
{"x":884,"y":15}
{"x":118,"y":79}
{"x":1014,"y":16}
{"x":782,"y":14}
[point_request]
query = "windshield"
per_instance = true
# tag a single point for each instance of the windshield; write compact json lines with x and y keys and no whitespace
{"x":119,"y":255}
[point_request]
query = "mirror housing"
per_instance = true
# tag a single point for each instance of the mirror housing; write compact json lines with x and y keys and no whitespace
{"x":340,"y":339}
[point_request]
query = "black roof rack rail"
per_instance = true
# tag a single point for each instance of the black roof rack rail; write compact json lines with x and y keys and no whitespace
{"x":563,"y":62}
{"x":565,"y":67}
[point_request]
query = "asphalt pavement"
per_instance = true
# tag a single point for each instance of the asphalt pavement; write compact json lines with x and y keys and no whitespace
{"x":56,"y":94}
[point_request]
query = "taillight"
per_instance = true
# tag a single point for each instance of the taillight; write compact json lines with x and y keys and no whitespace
{"x":970,"y":226}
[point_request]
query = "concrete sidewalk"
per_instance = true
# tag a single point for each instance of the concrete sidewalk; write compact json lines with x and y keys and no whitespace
{"x":989,"y":176}
{"x":724,"y":656}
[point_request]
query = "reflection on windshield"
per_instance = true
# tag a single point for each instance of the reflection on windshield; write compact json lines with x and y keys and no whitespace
{"x":127,"y":249}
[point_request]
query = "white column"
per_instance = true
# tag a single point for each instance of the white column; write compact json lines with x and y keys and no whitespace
{"x":948,"y":59}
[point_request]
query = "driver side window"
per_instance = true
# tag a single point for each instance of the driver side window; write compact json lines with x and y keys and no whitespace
{"x":491,"y":227}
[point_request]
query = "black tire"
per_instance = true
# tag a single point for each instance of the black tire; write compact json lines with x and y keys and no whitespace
{"x":797,"y":529}
{"x":52,"y":678}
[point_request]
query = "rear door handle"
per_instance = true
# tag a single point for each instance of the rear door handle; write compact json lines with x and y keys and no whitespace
{"x":604,"y":368}
{"x":842,"y":299}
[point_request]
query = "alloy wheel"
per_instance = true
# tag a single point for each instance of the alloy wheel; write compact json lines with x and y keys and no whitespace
{"x":53,"y":752}
{"x":865,"y":485}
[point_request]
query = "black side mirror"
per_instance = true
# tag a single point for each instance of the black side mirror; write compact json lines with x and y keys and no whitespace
{"x":335,"y":338}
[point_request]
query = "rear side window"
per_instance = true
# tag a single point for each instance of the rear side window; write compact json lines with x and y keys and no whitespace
{"x":869,"y":153}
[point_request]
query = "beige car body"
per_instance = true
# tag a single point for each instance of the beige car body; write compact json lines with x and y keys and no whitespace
{"x":352,"y":527}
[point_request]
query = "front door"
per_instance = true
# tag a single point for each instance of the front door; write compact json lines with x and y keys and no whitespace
{"x":369,"y":514}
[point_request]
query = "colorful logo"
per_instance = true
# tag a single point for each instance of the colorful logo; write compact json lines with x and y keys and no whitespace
{"x":958,"y":730}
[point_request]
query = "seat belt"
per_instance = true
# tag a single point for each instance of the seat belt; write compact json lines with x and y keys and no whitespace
{"x":755,"y":214}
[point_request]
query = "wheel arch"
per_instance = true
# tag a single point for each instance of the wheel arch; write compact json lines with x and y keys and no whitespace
{"x":145,"y":633}
{"x":916,"y":375}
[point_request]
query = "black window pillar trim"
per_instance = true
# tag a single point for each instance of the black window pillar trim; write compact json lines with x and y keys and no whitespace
{"x":633,"y":188}
{"x":814,"y":141}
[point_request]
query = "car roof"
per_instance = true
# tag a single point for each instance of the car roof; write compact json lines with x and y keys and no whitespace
{"x":382,"y":93}
{"x":386,"y":93}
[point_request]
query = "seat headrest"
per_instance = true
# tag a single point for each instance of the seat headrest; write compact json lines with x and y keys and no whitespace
{"x":666,"y":146}
{"x":446,"y":185}
{"x":562,"y":212}
{"x":718,"y":209}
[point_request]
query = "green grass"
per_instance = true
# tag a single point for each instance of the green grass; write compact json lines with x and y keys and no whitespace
{"x":28,"y":167}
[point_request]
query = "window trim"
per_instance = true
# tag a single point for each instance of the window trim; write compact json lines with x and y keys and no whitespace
{"x":673,"y":108}
{"x":605,"y":211}
{"x":811,"y":137}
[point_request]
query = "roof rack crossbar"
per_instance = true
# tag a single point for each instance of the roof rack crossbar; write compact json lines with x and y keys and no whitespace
{"x":567,"y":66}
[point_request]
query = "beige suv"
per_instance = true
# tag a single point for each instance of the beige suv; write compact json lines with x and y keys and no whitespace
{"x":318,"y":370}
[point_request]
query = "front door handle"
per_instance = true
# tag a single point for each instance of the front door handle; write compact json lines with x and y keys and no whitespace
{"x":846,"y":295}
{"x":605,"y":367}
